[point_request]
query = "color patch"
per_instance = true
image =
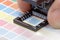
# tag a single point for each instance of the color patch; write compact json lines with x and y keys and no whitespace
{"x":1,"y":1}
{"x":2,"y":7}
{"x":10,"y":35}
{"x":14,"y":0}
{"x":30,"y":34}
{"x":2,"y":22}
{"x":3,"y":31}
{"x":10,"y":26}
{"x":20,"y":38}
{"x":19,"y":30}
{"x":9,"y":18}
{"x":3,"y":15}
{"x":8,"y":3}
{"x":16,"y":14}
{"x":15,"y":6}
{"x":8,"y":10}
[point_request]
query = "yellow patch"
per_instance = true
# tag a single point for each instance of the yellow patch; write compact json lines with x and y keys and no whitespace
{"x":9,"y":19}
{"x":3,"y":15}
{"x":6,"y":17}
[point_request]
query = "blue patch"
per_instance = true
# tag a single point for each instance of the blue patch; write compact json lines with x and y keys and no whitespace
{"x":8,"y":10}
{"x":2,"y":6}
{"x":10,"y":35}
{"x":3,"y":31}
{"x":17,"y":14}
{"x":20,"y":38}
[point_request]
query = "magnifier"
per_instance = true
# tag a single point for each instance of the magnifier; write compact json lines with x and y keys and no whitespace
{"x":37,"y":17}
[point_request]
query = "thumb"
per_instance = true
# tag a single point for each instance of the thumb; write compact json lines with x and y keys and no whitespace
{"x":54,"y":14}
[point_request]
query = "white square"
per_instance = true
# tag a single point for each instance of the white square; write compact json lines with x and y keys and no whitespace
{"x":34,"y":21}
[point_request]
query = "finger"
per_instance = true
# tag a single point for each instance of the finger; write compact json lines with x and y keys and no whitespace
{"x":54,"y":14}
{"x":24,"y":6}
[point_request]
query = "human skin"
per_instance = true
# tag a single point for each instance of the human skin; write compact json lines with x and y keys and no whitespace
{"x":24,"y":6}
{"x":53,"y":13}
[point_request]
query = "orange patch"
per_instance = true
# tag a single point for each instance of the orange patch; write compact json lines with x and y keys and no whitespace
{"x":1,"y":1}
{"x":15,"y":6}
{"x":8,"y":3}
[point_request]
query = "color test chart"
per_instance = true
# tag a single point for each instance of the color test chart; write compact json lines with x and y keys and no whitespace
{"x":9,"y":10}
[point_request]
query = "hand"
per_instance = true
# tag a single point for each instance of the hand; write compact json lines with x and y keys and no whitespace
{"x":24,"y":6}
{"x":54,"y":14}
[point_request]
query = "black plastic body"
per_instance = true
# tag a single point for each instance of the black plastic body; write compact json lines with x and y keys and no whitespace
{"x":19,"y":21}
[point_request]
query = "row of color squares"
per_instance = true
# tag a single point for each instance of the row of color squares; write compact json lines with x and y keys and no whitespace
{"x":10,"y":35}
{"x":10,"y":3}
{"x":14,"y":28}
{"x":4,"y":0}
{"x":11,"y":30}
{"x":24,"y":36}
{"x":9,"y":10}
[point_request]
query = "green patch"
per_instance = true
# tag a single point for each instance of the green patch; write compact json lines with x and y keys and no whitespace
{"x":14,"y":0}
